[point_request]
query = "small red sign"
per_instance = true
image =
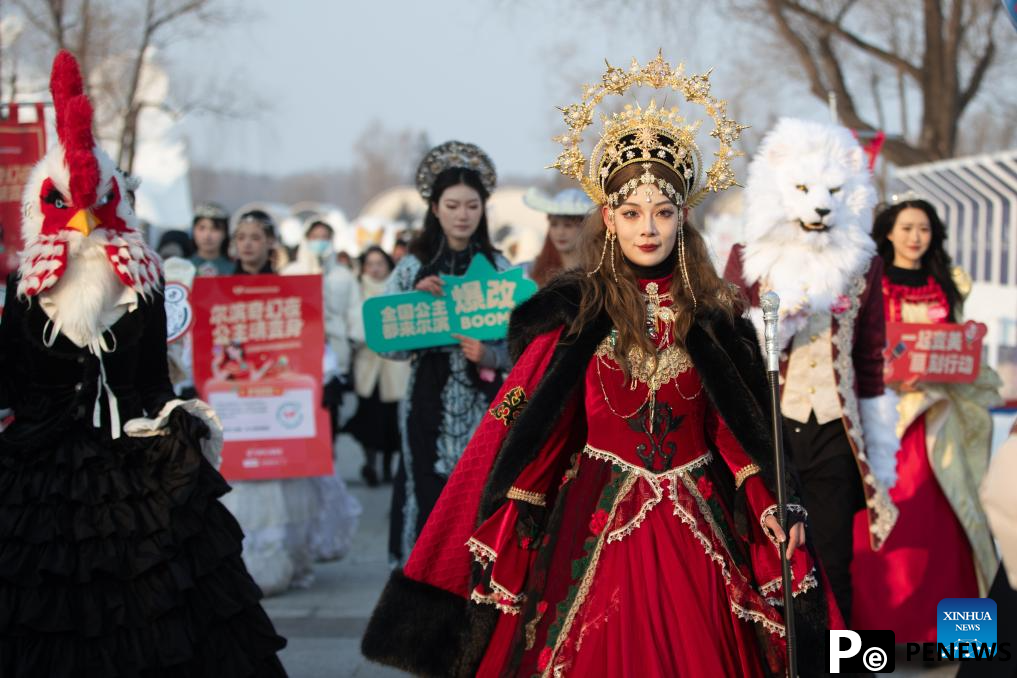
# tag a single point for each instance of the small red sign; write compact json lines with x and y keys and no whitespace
{"x":258,"y":344}
{"x":944,"y":352}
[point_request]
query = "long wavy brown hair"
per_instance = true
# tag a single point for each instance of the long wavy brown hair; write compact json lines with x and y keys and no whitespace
{"x":623,"y":300}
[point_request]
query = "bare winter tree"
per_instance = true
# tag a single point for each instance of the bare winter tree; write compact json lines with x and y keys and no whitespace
{"x":913,"y":68}
{"x":115,"y":43}
{"x":941,"y":48}
{"x":384,"y":158}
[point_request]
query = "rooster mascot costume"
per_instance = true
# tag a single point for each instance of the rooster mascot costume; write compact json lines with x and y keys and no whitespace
{"x":116,"y":557}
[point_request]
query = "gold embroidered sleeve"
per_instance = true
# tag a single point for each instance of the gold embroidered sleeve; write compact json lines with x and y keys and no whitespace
{"x":529,"y":497}
{"x":508,"y":410}
{"x":744,"y":473}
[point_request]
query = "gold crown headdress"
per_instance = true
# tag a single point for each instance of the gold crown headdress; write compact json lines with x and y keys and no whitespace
{"x":648,"y":135}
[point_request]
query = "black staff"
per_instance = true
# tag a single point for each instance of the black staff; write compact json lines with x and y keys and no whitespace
{"x":770,"y":303}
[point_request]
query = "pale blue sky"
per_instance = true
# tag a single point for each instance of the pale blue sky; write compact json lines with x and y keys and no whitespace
{"x":485,"y":71}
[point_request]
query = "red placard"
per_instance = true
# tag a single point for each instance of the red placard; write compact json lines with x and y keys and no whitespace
{"x":933,"y":353}
{"x":21,"y":146}
{"x":258,"y":342}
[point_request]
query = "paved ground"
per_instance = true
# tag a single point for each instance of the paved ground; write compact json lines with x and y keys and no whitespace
{"x":324,"y":623}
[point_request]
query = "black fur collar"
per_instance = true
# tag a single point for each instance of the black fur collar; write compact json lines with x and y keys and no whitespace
{"x":552,"y":306}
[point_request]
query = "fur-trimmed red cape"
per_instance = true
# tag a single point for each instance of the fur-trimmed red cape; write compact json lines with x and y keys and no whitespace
{"x":424,"y":622}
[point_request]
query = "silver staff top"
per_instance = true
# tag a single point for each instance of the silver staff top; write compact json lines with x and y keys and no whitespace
{"x":770,"y":303}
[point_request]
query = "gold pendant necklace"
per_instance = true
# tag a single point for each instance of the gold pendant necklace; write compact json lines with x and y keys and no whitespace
{"x":654,"y":371}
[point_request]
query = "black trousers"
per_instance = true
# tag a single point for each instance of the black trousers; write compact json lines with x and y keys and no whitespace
{"x":832,"y":492}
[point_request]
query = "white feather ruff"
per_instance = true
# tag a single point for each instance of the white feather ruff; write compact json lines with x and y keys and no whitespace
{"x":84,"y":290}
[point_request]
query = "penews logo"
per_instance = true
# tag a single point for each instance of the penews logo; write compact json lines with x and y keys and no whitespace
{"x":969,"y":624}
{"x":861,"y":651}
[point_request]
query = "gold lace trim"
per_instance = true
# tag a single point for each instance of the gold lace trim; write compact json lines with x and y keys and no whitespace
{"x":604,"y":455}
{"x":653,"y":479}
{"x":652,"y":370}
{"x":882,"y":513}
{"x":534,"y":498}
{"x":506,"y":594}
{"x":759,"y":618}
{"x":491,"y":599}
{"x":744,"y":474}
{"x":690,"y":522}
{"x":482,"y":553}
{"x":721,"y":560}
{"x":530,"y":630}
{"x":806,"y":583}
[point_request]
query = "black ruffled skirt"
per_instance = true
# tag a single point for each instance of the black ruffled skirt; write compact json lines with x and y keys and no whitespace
{"x":117,"y":559}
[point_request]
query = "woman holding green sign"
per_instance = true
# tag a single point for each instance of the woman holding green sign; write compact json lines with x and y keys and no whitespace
{"x":450,"y":386}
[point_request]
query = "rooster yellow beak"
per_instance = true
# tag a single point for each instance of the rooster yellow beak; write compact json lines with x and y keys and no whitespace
{"x":84,"y":221}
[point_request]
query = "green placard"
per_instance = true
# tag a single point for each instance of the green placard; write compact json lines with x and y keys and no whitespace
{"x":477,"y":304}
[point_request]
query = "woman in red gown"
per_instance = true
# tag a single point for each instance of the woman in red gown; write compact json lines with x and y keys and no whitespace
{"x":941,"y":546}
{"x":614,"y":512}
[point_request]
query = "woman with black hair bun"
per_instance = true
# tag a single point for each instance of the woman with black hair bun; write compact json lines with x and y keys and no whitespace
{"x":450,"y":386}
{"x":945,"y":431}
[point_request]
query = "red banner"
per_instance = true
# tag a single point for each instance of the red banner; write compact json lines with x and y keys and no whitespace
{"x":21,"y":146}
{"x":933,"y":353}
{"x":258,"y":343}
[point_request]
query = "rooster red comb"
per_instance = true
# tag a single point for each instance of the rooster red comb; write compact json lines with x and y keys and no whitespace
{"x":74,"y":129}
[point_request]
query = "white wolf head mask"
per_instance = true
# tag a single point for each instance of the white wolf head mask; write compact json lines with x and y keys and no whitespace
{"x":809,"y":200}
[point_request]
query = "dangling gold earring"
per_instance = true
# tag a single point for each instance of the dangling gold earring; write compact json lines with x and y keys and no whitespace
{"x":681,"y":258}
{"x":614,"y":271}
{"x":603,"y":253}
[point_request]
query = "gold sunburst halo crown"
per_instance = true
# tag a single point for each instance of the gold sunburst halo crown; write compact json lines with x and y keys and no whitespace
{"x":649,"y":135}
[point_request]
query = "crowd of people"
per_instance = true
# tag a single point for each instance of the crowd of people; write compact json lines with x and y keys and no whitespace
{"x":593,"y":494}
{"x":416,"y":411}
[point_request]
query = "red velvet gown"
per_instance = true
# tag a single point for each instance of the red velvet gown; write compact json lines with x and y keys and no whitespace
{"x":646,"y":578}
{"x":899,"y":587}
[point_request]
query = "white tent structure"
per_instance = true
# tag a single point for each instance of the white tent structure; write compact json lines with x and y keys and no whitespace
{"x":977,"y":199}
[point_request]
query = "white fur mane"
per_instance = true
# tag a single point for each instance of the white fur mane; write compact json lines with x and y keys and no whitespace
{"x":87,"y":288}
{"x":802,"y":167}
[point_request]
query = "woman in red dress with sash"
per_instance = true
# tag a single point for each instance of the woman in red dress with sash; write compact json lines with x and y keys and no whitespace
{"x":941,"y":546}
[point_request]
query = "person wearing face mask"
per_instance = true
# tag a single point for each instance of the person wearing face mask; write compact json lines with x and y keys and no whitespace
{"x":945,"y":430}
{"x":316,"y":255}
{"x":614,"y":513}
